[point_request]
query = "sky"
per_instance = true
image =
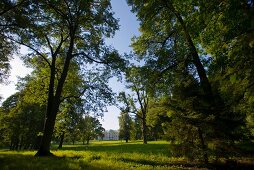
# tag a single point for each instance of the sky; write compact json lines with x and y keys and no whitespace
{"x":121,"y":42}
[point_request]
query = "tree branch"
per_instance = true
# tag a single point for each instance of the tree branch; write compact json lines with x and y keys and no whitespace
{"x":36,"y":51}
{"x":86,"y":55}
{"x":13,"y":7}
{"x":48,"y":41}
{"x":73,"y":96}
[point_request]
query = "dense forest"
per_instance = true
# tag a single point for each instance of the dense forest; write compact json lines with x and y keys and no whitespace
{"x":189,"y":77}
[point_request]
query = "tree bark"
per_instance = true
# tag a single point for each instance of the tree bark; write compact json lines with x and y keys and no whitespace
{"x":44,"y":149}
{"x":144,"y":129}
{"x":144,"y":110}
{"x":203,"y":146}
{"x":60,"y":146}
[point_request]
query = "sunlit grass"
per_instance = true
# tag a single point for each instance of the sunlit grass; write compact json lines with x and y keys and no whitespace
{"x":112,"y":155}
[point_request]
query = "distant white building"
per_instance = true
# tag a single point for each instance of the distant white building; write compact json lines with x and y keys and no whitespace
{"x":111,"y":135}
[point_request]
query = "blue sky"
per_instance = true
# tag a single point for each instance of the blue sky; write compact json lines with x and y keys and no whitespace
{"x":121,"y":41}
{"x":128,"y":26}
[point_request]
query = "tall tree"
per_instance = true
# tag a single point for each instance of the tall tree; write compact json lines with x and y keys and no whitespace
{"x":125,"y":125}
{"x":135,"y":81}
{"x":90,"y":128}
{"x":137,"y":103}
{"x":71,"y":30}
{"x":175,"y":38}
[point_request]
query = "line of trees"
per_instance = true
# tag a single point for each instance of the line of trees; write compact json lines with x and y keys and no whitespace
{"x":22,"y":124}
{"x":193,"y":85}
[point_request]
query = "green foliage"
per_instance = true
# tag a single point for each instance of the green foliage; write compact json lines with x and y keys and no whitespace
{"x":59,"y":33}
{"x":195,"y":87}
{"x":67,"y":122}
{"x":7,"y":48}
{"x":21,"y":123}
{"x":183,"y":44}
{"x":137,"y":103}
{"x":125,"y":126}
{"x":90,"y":128}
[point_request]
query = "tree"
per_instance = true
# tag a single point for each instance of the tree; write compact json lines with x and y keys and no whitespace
{"x":22,"y":123}
{"x":155,"y":118}
{"x":135,"y":81}
{"x":136,"y":131}
{"x":125,"y":126}
{"x":130,"y":107}
{"x":90,"y":128}
{"x":10,"y":103}
{"x":67,"y":121}
{"x":175,"y":39}
{"x":77,"y":35}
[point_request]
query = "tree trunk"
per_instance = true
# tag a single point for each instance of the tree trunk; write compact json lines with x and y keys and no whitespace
{"x":44,"y":149}
{"x":205,"y":84}
{"x":144,"y":130}
{"x":126,"y":140}
{"x":11,"y":145}
{"x":61,"y":141}
{"x":203,"y":146}
{"x":21,"y":142}
{"x":54,"y":102}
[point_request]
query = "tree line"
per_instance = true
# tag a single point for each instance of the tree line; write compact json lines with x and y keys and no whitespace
{"x":195,"y":83}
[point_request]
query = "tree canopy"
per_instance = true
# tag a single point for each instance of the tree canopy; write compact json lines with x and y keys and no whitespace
{"x":189,"y":78}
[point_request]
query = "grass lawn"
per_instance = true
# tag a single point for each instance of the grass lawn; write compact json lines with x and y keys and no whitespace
{"x":113,"y":155}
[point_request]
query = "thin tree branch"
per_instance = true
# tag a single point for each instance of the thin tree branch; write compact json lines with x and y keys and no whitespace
{"x":73,"y":96}
{"x":69,"y":11}
{"x":13,"y":7}
{"x":49,"y":44}
{"x":86,"y":55}
{"x":36,"y":51}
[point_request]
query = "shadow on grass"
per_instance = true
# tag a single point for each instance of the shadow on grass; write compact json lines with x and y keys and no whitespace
{"x":229,"y":165}
{"x":160,"y":149}
{"x":24,"y":162}
{"x":247,"y":148}
{"x":167,"y":164}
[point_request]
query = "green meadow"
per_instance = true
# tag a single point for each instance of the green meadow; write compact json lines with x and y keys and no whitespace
{"x":112,"y":155}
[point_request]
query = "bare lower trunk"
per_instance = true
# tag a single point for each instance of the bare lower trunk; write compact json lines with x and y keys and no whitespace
{"x":61,"y":141}
{"x":44,"y":149}
{"x":203,"y":146}
{"x":50,"y":117}
{"x":144,"y":131}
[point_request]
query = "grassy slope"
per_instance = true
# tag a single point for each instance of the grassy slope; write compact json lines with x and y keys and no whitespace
{"x":111,"y":155}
